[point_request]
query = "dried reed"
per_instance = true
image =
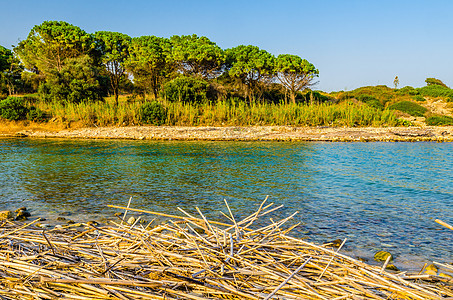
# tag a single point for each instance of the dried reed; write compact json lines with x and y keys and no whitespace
{"x":191,"y":257}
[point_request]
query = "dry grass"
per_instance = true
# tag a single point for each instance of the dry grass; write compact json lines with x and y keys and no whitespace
{"x":222,"y":113}
{"x":190,"y":257}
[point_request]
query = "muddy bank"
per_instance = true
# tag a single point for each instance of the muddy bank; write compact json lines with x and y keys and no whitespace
{"x":252,"y":133}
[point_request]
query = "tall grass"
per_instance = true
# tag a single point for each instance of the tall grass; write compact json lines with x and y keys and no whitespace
{"x":232,"y":112}
{"x":94,"y":113}
{"x":241,"y":114}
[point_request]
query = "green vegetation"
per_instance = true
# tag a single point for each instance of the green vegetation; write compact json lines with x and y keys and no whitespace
{"x":113,"y":51}
{"x":234,"y":112}
{"x":371,"y":101}
{"x":419,"y":98}
{"x":410,"y":108}
{"x":187,"y":89}
{"x":109,"y":78}
{"x":439,"y":120}
{"x":251,"y":68}
{"x":435,"y":81}
{"x":437,"y":91}
{"x":153,"y":113}
{"x":295,"y":73}
{"x":13,"y":108}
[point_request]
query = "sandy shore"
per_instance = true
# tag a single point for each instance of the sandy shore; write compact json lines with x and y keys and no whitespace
{"x":252,"y":133}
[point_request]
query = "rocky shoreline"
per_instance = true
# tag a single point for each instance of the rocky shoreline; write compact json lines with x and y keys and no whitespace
{"x":251,"y":133}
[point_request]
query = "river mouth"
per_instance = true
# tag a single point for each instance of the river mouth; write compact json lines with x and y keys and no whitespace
{"x":380,"y":196}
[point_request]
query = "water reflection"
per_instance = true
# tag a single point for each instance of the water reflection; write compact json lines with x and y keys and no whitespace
{"x":378,"y":195}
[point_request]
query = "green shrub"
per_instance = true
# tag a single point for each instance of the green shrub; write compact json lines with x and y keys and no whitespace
{"x":35,"y":114}
{"x":187,"y":89}
{"x":12,"y":108}
{"x":435,"y":81}
{"x":30,"y":99}
{"x":439,"y":120}
{"x":381,"y":93}
{"x":371,"y":101}
{"x":437,"y":91}
{"x":153,"y":113}
{"x":407,"y":90}
{"x":419,"y":98}
{"x":409,"y":107}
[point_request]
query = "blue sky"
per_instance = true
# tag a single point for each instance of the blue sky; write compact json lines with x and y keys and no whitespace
{"x":352,"y":43}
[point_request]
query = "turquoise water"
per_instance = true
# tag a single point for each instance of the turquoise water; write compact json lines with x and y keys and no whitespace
{"x":377,"y":195}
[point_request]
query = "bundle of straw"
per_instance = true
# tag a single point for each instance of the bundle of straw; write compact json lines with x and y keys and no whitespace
{"x":190,"y":257}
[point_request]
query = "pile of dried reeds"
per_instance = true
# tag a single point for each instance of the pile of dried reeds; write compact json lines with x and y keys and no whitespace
{"x":189,"y":257}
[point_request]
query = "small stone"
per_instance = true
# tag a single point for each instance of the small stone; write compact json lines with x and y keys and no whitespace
{"x":392,"y":267}
{"x":43,"y":225}
{"x":430,"y":270}
{"x":70,"y":222}
{"x":335,"y":243}
{"x":61,"y":219}
{"x":92,"y":223}
{"x":131,"y":220}
{"x":5,"y":215}
{"x":382,"y":256}
{"x":58,"y":227}
{"x":362,"y":259}
{"x":19,"y":209}
{"x":22,"y":215}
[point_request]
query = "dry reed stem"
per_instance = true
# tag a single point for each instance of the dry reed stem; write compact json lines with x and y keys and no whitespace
{"x":192,"y":257}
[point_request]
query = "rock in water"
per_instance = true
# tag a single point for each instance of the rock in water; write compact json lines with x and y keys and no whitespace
{"x":382,"y":256}
{"x":335,"y":243}
{"x":391,"y":267}
{"x":22,"y":214}
{"x":19,"y":209}
{"x":5,"y":215}
{"x":131,"y":220}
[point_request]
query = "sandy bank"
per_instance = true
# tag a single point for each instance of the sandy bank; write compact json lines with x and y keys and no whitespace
{"x":252,"y":133}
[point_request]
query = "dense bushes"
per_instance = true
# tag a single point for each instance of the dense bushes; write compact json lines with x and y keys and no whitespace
{"x":409,"y":107}
{"x":439,"y":120}
{"x":12,"y":108}
{"x":436,"y":91}
{"x":419,"y":98}
{"x":435,"y":81}
{"x":371,"y":101}
{"x":407,"y":90}
{"x":187,"y":89}
{"x":153,"y":113}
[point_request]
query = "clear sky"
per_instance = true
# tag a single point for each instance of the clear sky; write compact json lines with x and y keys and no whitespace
{"x":352,"y":43}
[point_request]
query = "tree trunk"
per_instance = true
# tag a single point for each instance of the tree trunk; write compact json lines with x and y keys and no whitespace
{"x":293,"y":97}
{"x":115,"y":91}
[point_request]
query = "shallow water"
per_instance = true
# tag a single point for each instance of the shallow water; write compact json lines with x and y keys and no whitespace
{"x":377,"y":195}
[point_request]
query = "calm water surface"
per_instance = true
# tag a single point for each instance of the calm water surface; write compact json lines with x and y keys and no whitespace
{"x":378,"y":195}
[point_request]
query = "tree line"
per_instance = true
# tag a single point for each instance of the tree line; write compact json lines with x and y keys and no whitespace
{"x":64,"y":63}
